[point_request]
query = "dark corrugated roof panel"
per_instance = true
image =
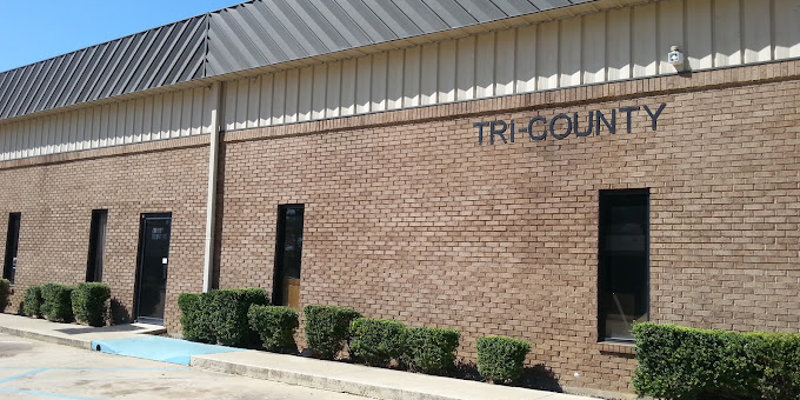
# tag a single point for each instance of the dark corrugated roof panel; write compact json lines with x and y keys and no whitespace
{"x":157,"y":57}
{"x":265,"y":32}
{"x":248,"y":35}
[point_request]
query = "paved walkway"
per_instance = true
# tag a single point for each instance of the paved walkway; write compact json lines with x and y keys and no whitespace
{"x":71,"y":334}
{"x":34,"y":370}
{"x":378,"y":383}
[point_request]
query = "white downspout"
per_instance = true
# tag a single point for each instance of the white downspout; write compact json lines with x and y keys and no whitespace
{"x":211,"y":198}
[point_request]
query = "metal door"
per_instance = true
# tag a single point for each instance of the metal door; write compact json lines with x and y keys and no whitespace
{"x":153,"y":267}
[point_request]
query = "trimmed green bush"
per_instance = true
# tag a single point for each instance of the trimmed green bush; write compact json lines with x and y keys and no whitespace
{"x":228,"y":314}
{"x":89,"y":303}
{"x":431,"y":350}
{"x":32,"y":304}
{"x":57,"y":302}
{"x":686,"y":363}
{"x":220,"y":316}
{"x":327,"y":328}
{"x":500,"y":358}
{"x":194,"y":322}
{"x":377,"y":341}
{"x":275,"y":326}
{"x":5,"y":290}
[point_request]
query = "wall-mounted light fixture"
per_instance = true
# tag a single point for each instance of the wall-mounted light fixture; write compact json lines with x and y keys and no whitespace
{"x":676,"y":58}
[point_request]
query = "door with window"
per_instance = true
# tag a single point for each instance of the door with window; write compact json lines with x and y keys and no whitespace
{"x":153,"y":267}
{"x":288,"y":254}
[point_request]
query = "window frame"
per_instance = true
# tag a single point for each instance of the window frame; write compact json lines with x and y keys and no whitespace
{"x":10,"y":261}
{"x":602,"y":229}
{"x":97,"y":242}
{"x":279,"y":273}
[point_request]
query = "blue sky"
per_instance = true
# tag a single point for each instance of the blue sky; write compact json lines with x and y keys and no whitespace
{"x":34,"y":30}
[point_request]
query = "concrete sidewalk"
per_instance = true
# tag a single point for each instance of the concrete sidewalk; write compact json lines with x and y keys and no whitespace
{"x":379,"y":383}
{"x":333,"y":376}
{"x":71,"y":334}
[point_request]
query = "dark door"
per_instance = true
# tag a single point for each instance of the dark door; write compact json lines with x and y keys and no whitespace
{"x":288,"y":253}
{"x":153,"y":263}
{"x":12,"y":243}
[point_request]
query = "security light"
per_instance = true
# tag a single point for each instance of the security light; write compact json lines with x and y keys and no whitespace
{"x":676,"y":58}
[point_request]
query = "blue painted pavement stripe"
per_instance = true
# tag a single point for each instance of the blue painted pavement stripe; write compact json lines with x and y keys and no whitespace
{"x":102,"y":369}
{"x":22,"y":375}
{"x":44,"y":394}
{"x":120,"y":369}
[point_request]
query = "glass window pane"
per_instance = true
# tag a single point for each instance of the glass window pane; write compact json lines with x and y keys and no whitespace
{"x":288,"y":256}
{"x":97,"y":244}
{"x":293,"y":242}
{"x":12,"y":244}
{"x":624,"y":262}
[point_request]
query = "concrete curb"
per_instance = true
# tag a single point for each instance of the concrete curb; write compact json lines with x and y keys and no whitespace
{"x":72,"y":342}
{"x":361,"y":380}
{"x":313,"y":381}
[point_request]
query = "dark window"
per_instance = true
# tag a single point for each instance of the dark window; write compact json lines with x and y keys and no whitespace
{"x":288,"y":252}
{"x":624,"y":262}
{"x":12,"y":243}
{"x":97,"y":246}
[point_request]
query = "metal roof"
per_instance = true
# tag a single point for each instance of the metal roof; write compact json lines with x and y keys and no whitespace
{"x":157,"y":57}
{"x":253,"y":34}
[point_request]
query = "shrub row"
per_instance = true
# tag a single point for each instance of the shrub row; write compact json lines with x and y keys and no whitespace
{"x":230,"y":316}
{"x":428,"y":350}
{"x":221,"y":316}
{"x":85,"y":302}
{"x":686,"y":363}
{"x":379,"y":341}
{"x":5,"y":289}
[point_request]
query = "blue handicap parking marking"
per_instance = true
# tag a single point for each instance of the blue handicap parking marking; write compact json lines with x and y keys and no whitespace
{"x":44,"y":394}
{"x":33,"y":392}
{"x":22,"y":375}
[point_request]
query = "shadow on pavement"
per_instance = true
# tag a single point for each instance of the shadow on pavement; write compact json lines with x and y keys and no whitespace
{"x":112,"y":328}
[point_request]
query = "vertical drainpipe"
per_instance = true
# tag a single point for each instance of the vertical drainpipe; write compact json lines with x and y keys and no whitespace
{"x":211,"y":198}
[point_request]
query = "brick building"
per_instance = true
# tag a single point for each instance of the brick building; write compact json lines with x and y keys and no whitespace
{"x":537,"y":169}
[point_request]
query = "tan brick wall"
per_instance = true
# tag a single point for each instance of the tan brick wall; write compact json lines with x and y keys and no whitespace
{"x":407,"y":217}
{"x":56,"y":201}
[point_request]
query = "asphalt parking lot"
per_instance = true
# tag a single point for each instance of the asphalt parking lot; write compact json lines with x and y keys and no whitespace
{"x":31,"y":369}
